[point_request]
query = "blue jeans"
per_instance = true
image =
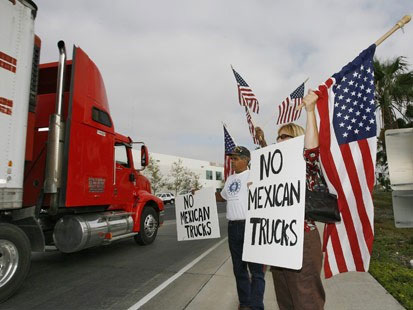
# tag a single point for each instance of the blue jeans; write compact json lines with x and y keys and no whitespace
{"x":250,"y":290}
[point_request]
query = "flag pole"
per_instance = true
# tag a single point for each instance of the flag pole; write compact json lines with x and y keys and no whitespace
{"x":252,"y":121}
{"x":306,"y":80}
{"x":399,"y":24}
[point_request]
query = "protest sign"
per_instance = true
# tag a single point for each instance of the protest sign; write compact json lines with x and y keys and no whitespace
{"x":197,"y":215}
{"x":274,"y":228}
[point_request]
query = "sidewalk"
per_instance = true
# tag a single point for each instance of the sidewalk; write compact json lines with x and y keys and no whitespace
{"x":345,"y":291}
{"x":210,"y":284}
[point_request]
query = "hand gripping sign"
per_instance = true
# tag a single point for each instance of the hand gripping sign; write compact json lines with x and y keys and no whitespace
{"x":197,"y":215}
{"x":274,"y":229}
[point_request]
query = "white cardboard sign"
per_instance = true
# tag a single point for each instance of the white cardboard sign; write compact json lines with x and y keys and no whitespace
{"x":274,"y":228}
{"x":197,"y":215}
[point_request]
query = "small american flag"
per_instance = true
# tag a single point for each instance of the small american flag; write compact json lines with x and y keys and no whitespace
{"x":245,"y":95}
{"x":348,"y":151}
{"x":229,"y":147}
{"x":251,"y":126}
{"x":286,"y":110}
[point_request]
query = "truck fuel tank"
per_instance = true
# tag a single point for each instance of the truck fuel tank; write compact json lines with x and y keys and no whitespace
{"x":73,"y":233}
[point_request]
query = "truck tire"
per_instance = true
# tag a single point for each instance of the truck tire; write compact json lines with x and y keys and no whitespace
{"x":172,"y":201}
{"x":15,"y":255}
{"x":149,"y":227}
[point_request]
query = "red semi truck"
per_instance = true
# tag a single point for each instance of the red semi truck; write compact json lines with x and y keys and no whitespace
{"x":67,"y":179}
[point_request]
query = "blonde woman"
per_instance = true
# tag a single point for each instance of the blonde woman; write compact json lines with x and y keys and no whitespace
{"x":302,"y":289}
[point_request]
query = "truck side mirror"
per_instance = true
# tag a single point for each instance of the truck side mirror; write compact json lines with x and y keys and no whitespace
{"x":144,"y":156}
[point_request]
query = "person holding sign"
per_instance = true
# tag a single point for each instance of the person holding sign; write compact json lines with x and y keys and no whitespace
{"x":302,"y":289}
{"x":235,"y":193}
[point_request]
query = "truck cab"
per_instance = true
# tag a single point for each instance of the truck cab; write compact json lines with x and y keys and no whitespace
{"x":94,"y":169}
{"x":67,"y":178}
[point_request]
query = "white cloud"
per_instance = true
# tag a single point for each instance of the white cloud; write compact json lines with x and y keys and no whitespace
{"x":166,"y":64}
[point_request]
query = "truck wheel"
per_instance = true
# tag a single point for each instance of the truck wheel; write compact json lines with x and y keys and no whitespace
{"x":15,"y":252}
{"x":149,"y":226}
{"x":172,"y":201}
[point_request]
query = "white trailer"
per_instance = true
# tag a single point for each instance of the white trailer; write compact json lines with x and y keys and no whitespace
{"x":16,"y":58}
{"x":16,"y":65}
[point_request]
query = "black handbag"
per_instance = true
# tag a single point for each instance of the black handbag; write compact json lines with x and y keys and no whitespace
{"x":321,"y":206}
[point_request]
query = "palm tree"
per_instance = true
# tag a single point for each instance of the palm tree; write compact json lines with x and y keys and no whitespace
{"x":394,"y":92}
{"x":394,"y":89}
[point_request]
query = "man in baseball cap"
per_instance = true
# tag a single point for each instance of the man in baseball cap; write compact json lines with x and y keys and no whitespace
{"x":240,"y":151}
{"x":235,"y":193}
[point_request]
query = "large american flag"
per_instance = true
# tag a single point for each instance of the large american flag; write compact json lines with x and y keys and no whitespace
{"x":347,"y":151}
{"x":245,"y":95}
{"x":251,"y":126}
{"x":286,"y":110}
{"x":229,"y":147}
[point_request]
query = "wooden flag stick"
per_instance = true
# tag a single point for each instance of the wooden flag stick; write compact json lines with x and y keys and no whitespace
{"x":306,"y":80}
{"x":248,"y":111}
{"x":399,"y":24}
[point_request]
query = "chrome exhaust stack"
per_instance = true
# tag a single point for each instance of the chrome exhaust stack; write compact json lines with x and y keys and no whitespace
{"x":55,"y":137}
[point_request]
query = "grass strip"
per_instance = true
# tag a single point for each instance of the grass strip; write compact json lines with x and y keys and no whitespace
{"x":392,"y":252}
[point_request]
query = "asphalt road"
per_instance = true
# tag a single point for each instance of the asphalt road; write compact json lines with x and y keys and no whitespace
{"x":108,"y":277}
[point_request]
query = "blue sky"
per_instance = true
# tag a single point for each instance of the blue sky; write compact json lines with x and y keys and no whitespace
{"x":166,"y":64}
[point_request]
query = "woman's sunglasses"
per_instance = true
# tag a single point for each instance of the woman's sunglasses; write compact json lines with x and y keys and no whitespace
{"x":283,"y":137}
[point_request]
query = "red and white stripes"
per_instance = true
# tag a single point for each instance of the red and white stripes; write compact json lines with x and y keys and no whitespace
{"x":287,"y":112}
{"x":349,"y":170}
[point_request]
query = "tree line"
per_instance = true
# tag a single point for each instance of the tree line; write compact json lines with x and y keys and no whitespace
{"x":178,"y":179}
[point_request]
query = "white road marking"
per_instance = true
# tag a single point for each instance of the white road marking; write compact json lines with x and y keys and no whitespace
{"x":152,"y":294}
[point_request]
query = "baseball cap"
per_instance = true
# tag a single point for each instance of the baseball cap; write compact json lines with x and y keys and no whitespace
{"x":240,"y":151}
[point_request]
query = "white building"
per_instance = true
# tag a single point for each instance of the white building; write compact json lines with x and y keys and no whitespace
{"x":210,"y":174}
